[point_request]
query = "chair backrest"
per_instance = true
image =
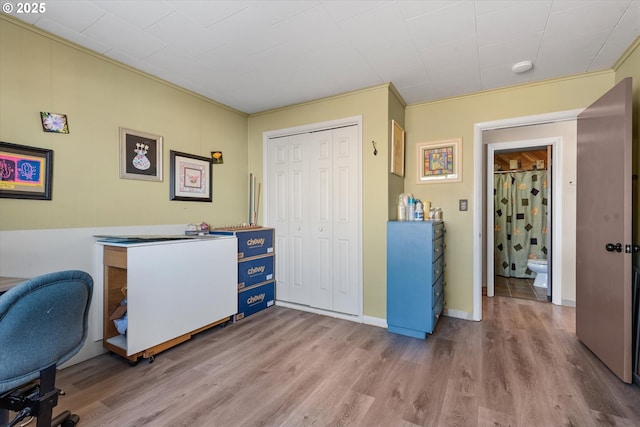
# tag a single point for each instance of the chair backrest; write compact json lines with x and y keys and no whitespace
{"x":43,"y":321}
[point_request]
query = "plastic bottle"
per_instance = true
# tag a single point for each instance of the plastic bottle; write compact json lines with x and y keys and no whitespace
{"x":402,"y":209}
{"x":419,"y":214}
{"x":411,"y":209}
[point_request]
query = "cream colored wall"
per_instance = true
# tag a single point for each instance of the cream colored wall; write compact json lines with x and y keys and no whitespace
{"x":397,"y":108}
{"x":567,"y":227}
{"x":372,"y":104}
{"x":456,"y":117}
{"x":42,"y":73}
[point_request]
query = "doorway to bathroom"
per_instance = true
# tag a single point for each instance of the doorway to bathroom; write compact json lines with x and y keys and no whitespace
{"x":521,"y":222}
{"x":519,"y":211}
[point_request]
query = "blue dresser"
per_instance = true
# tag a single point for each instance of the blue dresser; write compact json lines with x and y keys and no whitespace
{"x":415,"y":276}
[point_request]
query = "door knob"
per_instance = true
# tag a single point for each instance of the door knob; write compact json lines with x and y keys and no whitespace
{"x":610,"y":247}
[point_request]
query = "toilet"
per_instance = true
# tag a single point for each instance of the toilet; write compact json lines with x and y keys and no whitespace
{"x":540,"y":267}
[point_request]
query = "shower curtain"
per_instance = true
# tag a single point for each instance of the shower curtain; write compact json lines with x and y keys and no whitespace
{"x":520,"y":227}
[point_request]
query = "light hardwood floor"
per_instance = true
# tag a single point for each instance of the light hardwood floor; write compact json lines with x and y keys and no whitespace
{"x":521,"y":366}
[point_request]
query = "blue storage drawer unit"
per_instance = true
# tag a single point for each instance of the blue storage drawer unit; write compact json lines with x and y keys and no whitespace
{"x":254,"y":299}
{"x":415,"y":276}
{"x":255,"y":270}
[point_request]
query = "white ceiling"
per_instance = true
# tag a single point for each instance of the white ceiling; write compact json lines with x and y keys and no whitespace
{"x":258,"y":55}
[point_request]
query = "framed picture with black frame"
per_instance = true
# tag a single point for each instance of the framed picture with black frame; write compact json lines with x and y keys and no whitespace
{"x":140,"y":155}
{"x":190,"y":177}
{"x":25,"y":172}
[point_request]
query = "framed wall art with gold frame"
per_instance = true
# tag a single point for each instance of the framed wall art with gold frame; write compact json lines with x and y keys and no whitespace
{"x":397,"y":149}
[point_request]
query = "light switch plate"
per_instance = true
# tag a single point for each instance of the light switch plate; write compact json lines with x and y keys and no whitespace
{"x":463,"y":204}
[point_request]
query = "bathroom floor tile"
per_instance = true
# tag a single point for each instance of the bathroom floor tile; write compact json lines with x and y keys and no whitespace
{"x":518,"y":288}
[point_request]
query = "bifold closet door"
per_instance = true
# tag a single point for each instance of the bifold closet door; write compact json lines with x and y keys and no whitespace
{"x":333,"y":202}
{"x":288,"y":183}
{"x":313,"y":206}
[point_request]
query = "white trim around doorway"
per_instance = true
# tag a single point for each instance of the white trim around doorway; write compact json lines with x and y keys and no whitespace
{"x":478,"y":191}
{"x":555,"y":266}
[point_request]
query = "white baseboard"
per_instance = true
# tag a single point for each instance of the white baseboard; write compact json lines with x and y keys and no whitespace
{"x":375,"y":321}
{"x":367,"y":320}
{"x":568,"y":303}
{"x":458,"y":314}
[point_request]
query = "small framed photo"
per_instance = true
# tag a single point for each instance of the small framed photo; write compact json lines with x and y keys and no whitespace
{"x":190,"y":177}
{"x":216,"y":157}
{"x":397,"y":149}
{"x":54,"y":122}
{"x":140,"y":155}
{"x":25,"y":172}
{"x":439,"y":161}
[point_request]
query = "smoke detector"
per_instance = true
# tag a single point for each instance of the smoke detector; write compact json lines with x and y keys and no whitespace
{"x":522,"y":67}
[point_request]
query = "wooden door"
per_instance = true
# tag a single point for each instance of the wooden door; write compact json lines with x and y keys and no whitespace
{"x":603,"y":229}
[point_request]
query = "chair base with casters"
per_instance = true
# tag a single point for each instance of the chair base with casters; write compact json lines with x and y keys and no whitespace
{"x":36,"y":399}
{"x":43,"y":323}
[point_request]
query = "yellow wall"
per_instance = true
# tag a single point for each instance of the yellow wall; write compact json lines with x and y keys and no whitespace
{"x":372,"y":104}
{"x":397,"y":109}
{"x":456,"y":117}
{"x":42,"y":73}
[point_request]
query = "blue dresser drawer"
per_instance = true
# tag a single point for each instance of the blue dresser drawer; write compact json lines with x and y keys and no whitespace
{"x":438,"y":268}
{"x":438,"y":291}
{"x":438,"y":248}
{"x":437,"y":311}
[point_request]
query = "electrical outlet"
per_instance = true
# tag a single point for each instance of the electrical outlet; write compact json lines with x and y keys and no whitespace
{"x":463,"y":204}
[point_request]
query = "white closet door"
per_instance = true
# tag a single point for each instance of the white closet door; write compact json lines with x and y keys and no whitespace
{"x":320,"y":195}
{"x":314,"y":206}
{"x":278,"y":211}
{"x":346,"y":223}
{"x":298,"y":256}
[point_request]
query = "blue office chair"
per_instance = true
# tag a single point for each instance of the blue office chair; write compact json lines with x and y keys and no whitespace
{"x":43,"y":323}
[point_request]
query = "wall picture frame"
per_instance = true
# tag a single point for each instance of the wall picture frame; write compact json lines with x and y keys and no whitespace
{"x":397,"y":149}
{"x":25,"y":172}
{"x":54,"y":122}
{"x":439,"y":161}
{"x":140,"y":155}
{"x":190,"y":177}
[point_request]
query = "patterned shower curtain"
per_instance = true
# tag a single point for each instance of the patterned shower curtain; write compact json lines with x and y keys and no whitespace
{"x":520,"y":228}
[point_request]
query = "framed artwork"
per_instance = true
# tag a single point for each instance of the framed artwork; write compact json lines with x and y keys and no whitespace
{"x":190,"y":177}
{"x":54,"y":122}
{"x":397,"y":149}
{"x":140,"y":155}
{"x":216,"y":157}
{"x":25,"y":172}
{"x":439,"y":161}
